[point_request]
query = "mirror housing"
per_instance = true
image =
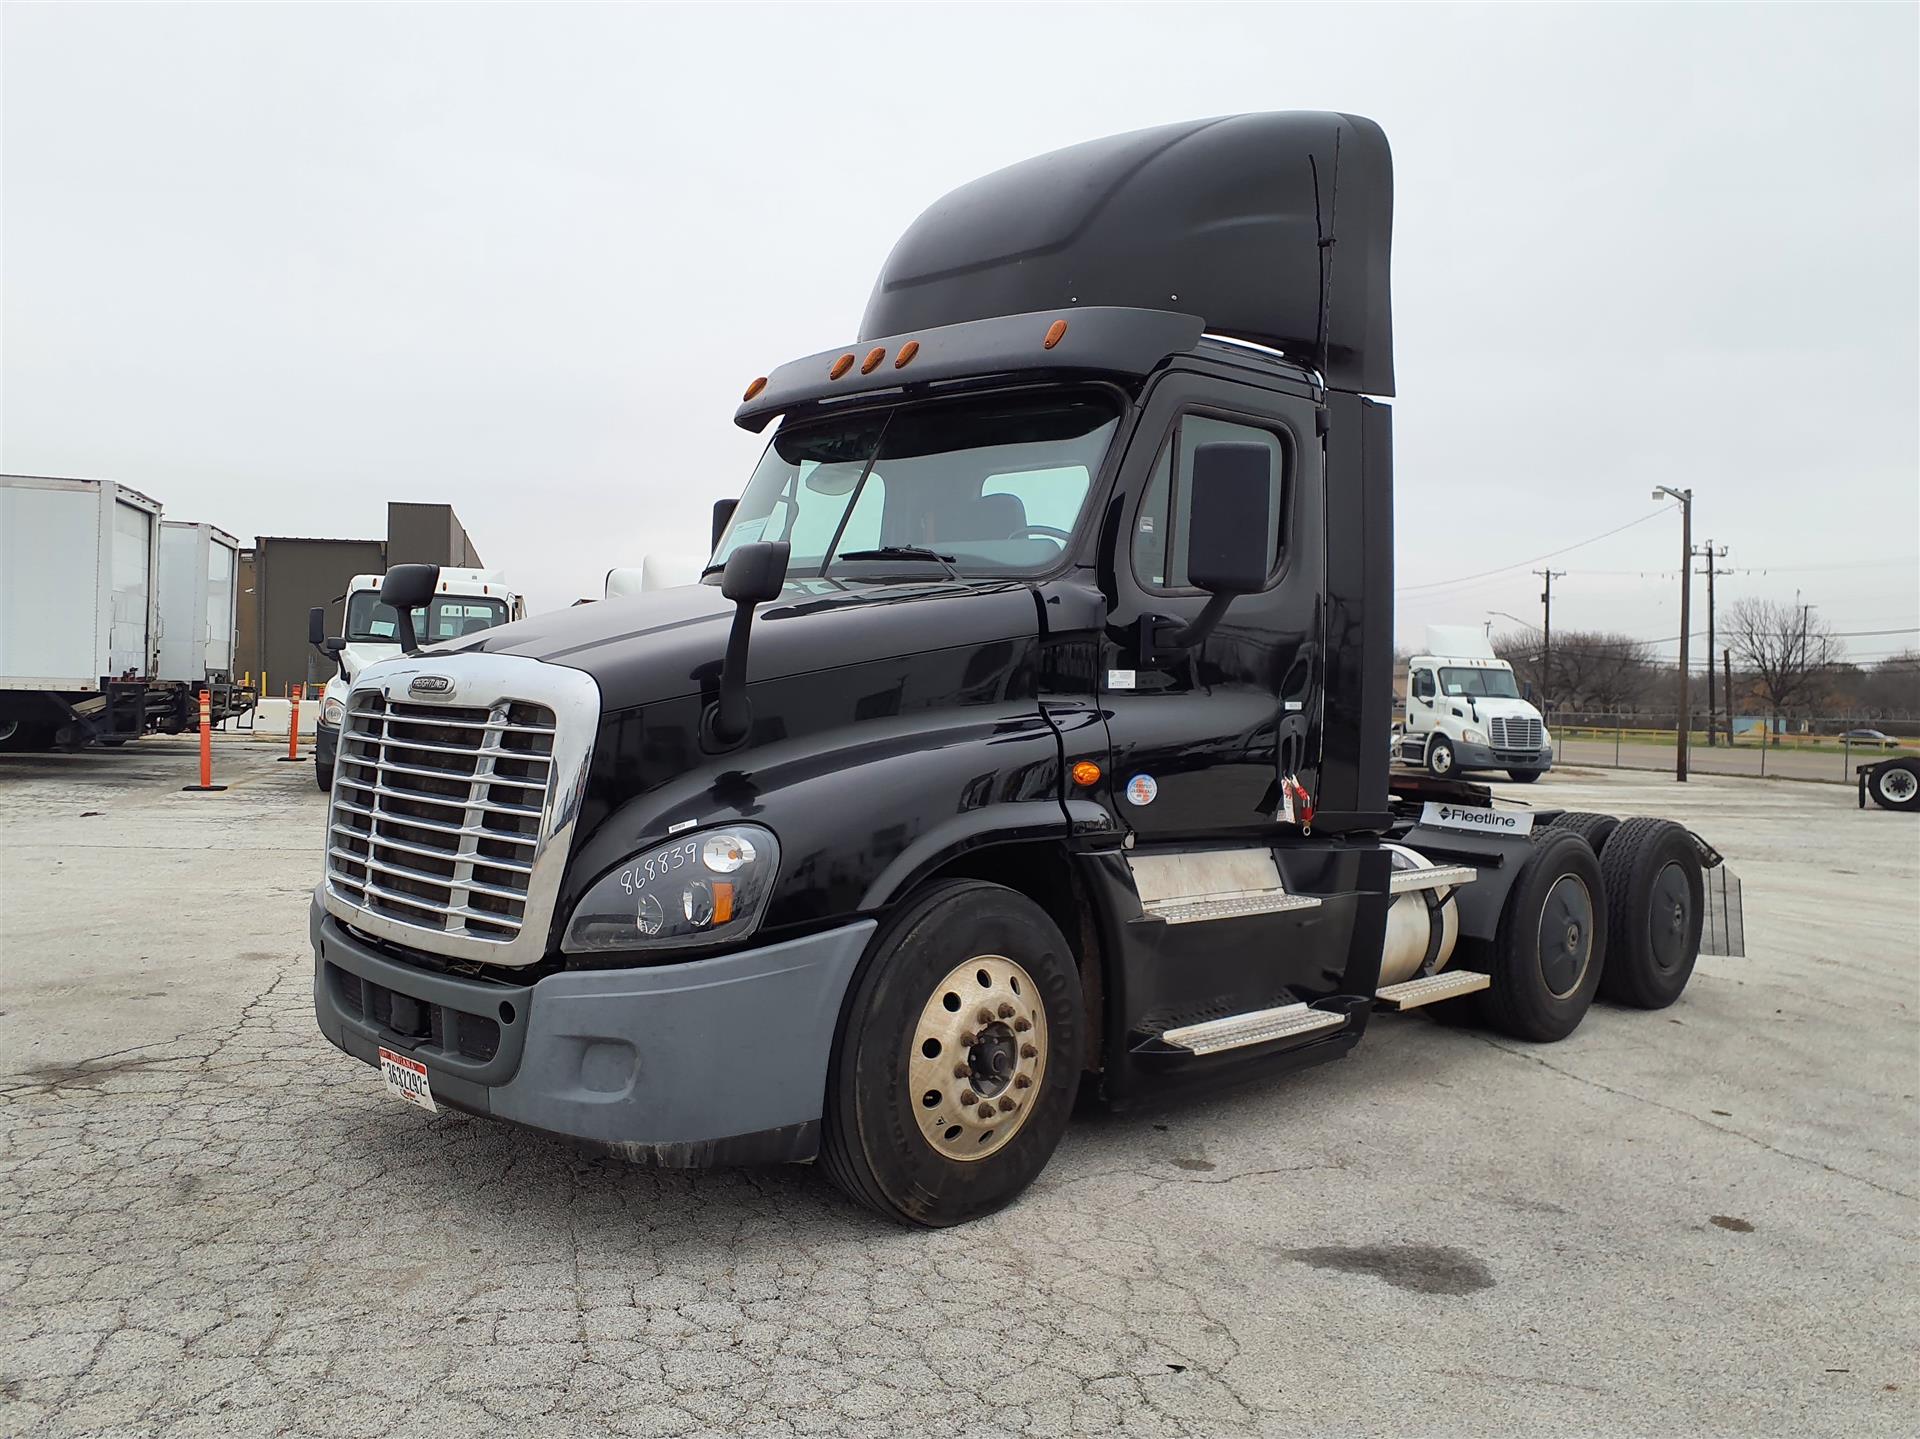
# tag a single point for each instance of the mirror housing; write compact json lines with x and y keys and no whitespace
{"x":317,"y":625}
{"x":754,"y":574}
{"x":1230,"y":517}
{"x":722,"y":517}
{"x":403,"y":589}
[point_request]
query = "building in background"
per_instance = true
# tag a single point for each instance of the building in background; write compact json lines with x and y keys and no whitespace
{"x":283,"y":576}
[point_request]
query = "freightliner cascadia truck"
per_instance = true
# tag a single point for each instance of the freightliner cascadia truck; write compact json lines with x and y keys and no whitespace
{"x":1022,"y":741}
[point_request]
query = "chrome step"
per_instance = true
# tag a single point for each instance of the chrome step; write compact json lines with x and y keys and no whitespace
{"x":1449,"y":984}
{"x":1185,"y":910}
{"x":1446,"y":876}
{"x":1259,"y":1026}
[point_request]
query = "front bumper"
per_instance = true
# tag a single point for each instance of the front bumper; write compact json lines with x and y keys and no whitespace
{"x":711,"y":1061}
{"x":1480,"y":756}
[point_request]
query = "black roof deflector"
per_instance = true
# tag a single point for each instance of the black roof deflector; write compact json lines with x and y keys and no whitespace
{"x":1274,"y":228}
{"x":1096,"y":340}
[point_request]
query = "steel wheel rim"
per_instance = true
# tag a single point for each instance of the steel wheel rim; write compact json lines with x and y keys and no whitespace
{"x":1442,"y":758}
{"x":1566,"y":935}
{"x":1898,"y":784}
{"x":978,"y":1055}
{"x":1671,"y":921}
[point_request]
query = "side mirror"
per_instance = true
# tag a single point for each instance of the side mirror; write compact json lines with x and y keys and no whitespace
{"x":722,"y":517}
{"x":1229,"y":521}
{"x":754,"y":574}
{"x":404,"y":589}
{"x":317,"y":625}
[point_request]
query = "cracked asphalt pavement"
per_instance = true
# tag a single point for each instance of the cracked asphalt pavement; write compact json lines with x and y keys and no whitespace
{"x":211,"y":1222}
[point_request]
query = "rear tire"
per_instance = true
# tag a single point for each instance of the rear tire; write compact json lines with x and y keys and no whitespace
{"x":1595,"y":829}
{"x":1896,"y":785}
{"x":1440,"y":757}
{"x":1655,"y":905}
{"x":1551,"y":943}
{"x":900,"y":1046}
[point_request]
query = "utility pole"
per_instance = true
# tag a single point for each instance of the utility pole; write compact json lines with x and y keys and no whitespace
{"x":1546,"y":632}
{"x":1726,"y":662}
{"x":1709,"y":553}
{"x":1681,"y":717}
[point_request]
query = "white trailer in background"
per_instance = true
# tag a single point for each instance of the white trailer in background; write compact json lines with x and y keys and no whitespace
{"x":79,"y":619}
{"x":199,"y":607}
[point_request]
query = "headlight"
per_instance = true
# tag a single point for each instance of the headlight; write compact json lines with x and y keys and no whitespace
{"x":1473,"y":736}
{"x":333,"y":713}
{"x":703,"y":888}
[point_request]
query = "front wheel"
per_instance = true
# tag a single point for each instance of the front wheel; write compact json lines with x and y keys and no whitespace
{"x":1523,"y":776}
{"x":1439,"y":757}
{"x":323,"y":775}
{"x":958,"y":1058}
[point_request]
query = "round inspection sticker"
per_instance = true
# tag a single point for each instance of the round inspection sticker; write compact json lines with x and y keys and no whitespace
{"x":1141,"y":789}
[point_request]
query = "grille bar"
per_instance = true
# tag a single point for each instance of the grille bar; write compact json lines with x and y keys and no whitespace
{"x":506,"y":836}
{"x":388,"y":842}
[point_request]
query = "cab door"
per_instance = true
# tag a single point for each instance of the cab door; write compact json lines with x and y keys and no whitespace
{"x":1202,"y":736}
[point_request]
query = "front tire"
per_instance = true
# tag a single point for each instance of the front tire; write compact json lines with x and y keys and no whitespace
{"x":1551,"y":942}
{"x":323,"y":776}
{"x":1440,"y":757}
{"x":958,"y":1058}
{"x":1523,"y":776}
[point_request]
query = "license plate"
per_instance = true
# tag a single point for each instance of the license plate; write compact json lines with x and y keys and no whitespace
{"x":407,"y":1079}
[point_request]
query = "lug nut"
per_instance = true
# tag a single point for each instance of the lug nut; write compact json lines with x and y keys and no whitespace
{"x":960,"y":1071}
{"x":1020,"y":1026}
{"x":985,"y":1016}
{"x":967,"y":1096}
{"x":1006,"y":1106}
{"x":986,"y":1111}
{"x":1027,"y":1051}
{"x":1006,"y":1010}
{"x":968,"y":1037}
{"x":1023,"y":1081}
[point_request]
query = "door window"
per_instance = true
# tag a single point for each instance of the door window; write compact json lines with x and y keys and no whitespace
{"x":1160,"y":533}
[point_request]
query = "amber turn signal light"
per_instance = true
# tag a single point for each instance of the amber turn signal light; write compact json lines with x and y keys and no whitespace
{"x":872,"y":361}
{"x":755,"y":388}
{"x":907,"y":352}
{"x":1086,"y":773}
{"x":1056,"y":332}
{"x":840,"y":367}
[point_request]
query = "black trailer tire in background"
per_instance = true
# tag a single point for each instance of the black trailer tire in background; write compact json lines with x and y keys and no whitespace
{"x":1595,"y":829}
{"x":1655,"y":907}
{"x":1523,"y":776}
{"x":21,"y":737}
{"x":1439,"y":756}
{"x":1551,"y":943}
{"x":1895,"y":784}
{"x":872,"y":1141}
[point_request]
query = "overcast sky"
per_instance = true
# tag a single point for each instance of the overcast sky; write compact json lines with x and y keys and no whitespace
{"x":277,"y":265}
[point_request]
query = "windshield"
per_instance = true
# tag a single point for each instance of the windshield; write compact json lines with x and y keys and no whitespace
{"x":1480,"y":684}
{"x":989,"y":486}
{"x":447,"y":617}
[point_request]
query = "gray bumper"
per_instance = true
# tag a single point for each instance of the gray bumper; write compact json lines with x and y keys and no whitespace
{"x":712,"y":1061}
{"x":1480,"y":756}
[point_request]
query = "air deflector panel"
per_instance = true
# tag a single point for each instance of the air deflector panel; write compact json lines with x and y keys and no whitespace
{"x":1276,"y":228}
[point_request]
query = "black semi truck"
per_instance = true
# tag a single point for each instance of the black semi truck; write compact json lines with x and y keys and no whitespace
{"x":1023,"y":740}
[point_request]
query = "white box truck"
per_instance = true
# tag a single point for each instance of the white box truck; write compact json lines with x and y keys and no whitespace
{"x":199,"y":608}
{"x":79,"y":619}
{"x":1465,"y":712}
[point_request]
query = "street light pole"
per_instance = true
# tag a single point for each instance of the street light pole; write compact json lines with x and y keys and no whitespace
{"x":1683,"y":719}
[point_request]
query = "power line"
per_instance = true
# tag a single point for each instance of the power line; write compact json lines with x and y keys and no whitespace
{"x":1522,"y":564}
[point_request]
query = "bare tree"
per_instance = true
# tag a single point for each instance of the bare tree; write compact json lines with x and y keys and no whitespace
{"x":1784,"y":652}
{"x":1588,"y":670}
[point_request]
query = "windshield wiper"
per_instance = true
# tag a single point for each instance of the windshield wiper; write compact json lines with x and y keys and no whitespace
{"x":903,"y":552}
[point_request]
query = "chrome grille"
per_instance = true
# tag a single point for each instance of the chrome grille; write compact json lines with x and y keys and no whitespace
{"x":446,"y":811}
{"x":1515,"y":733}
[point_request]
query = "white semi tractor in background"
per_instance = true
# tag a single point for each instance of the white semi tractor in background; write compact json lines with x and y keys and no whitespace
{"x":1465,"y":712}
{"x":464,"y":602}
{"x":111,"y":619}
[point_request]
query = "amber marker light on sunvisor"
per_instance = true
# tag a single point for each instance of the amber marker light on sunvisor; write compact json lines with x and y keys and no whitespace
{"x":872,"y":361}
{"x":840,"y":367}
{"x":907,"y":352}
{"x":1056,"y":332}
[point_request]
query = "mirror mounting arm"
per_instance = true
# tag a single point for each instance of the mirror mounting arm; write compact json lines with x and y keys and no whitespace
{"x":1203,"y":623}
{"x":755,"y":573}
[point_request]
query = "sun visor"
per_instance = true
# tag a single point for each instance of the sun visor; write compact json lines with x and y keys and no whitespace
{"x":1274,"y":228}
